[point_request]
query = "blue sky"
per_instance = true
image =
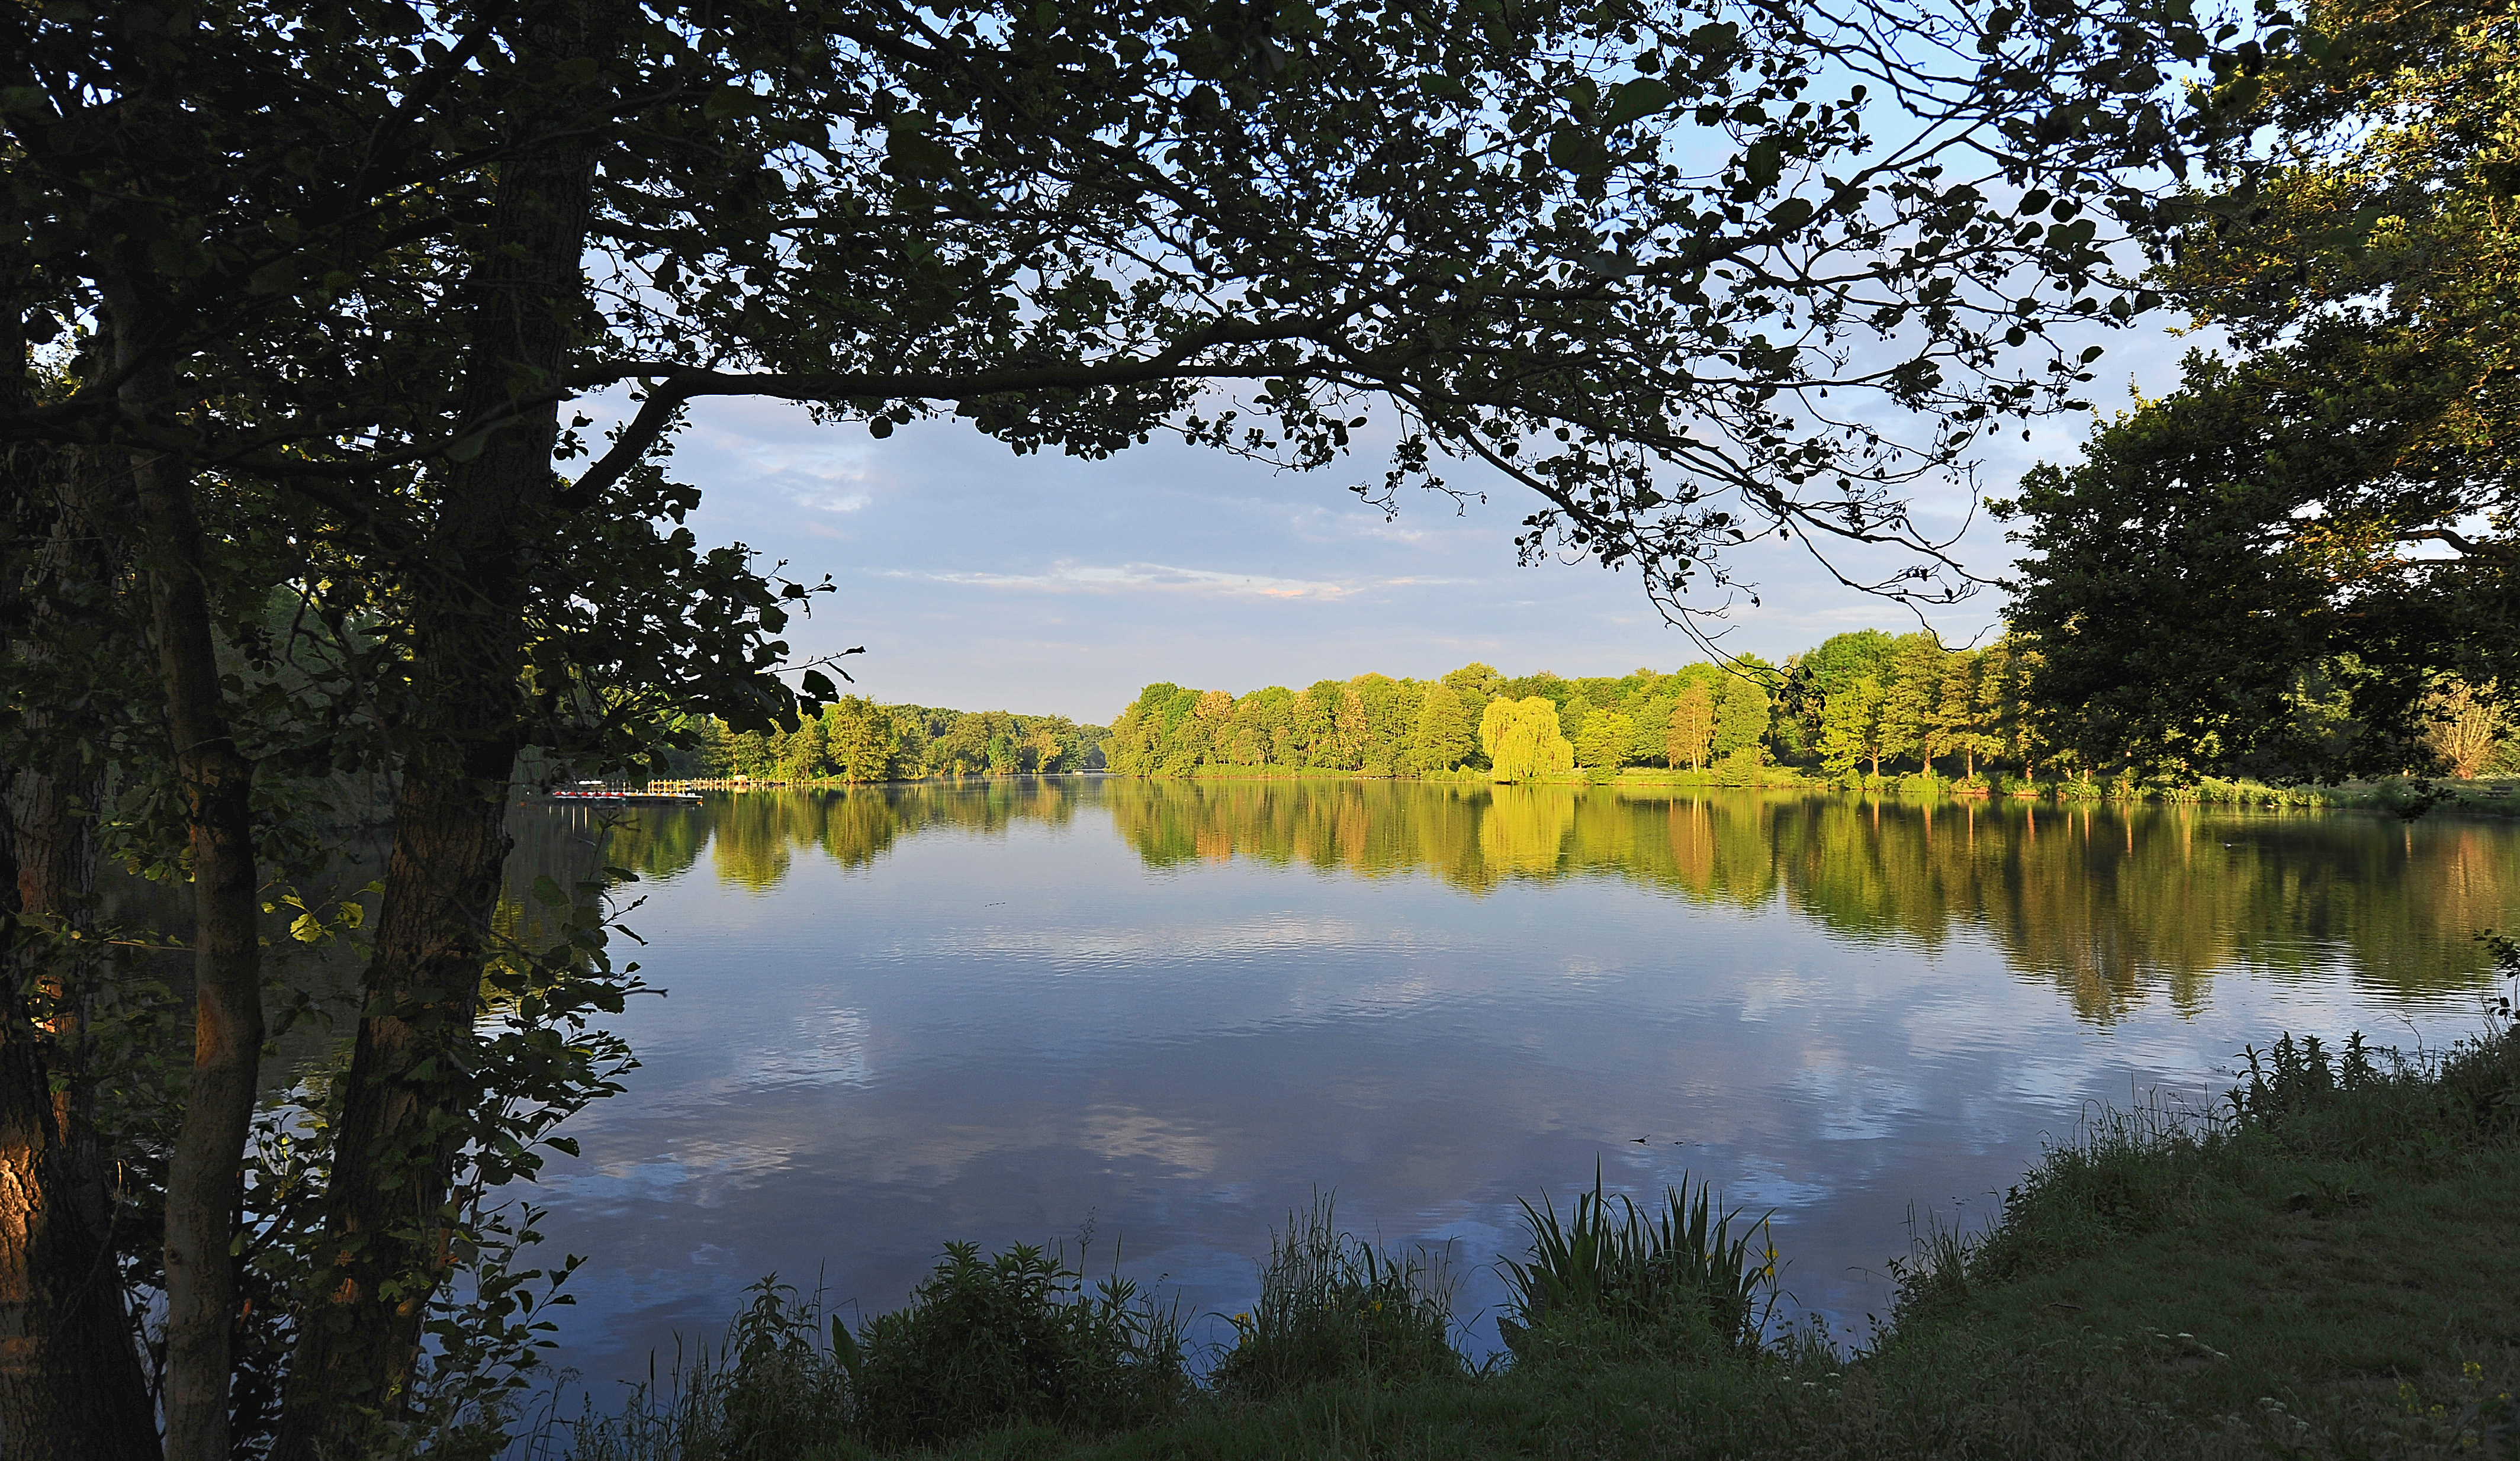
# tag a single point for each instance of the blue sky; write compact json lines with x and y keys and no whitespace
{"x":980,"y":579}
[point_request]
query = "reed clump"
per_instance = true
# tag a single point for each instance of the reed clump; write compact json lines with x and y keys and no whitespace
{"x":1332,"y":1308}
{"x":775,"y":1387}
{"x":1673,"y":1281}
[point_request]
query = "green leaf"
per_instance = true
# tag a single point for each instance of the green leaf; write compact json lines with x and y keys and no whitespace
{"x":1578,"y":151}
{"x":731,"y":101}
{"x":1764,"y":162}
{"x":549,"y":893}
{"x":912,"y":154}
{"x":1643,"y":97}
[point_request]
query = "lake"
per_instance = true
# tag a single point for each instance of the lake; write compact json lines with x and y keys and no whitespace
{"x":1164,"y":1013}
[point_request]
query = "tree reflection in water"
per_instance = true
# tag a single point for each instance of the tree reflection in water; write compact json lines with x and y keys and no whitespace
{"x":2112,"y":904}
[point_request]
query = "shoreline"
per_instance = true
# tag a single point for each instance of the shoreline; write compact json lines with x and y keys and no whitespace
{"x":2328,"y":1265}
{"x":2405,"y":797}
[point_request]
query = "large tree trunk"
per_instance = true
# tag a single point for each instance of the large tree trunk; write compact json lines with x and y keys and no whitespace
{"x":70,"y":1382}
{"x":400,"y":1133}
{"x":205,"y":1178}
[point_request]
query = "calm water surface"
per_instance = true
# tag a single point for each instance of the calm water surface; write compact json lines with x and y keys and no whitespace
{"x":1170,"y":1011}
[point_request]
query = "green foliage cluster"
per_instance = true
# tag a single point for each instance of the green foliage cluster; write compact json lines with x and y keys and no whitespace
{"x":1015,"y":1337}
{"x":774,"y":1388}
{"x":2276,"y":569}
{"x":1521,"y":741}
{"x":1862,"y":708}
{"x":855,"y":739}
{"x":1333,"y":1307}
{"x":1675,"y":1282}
{"x":1374,"y":725}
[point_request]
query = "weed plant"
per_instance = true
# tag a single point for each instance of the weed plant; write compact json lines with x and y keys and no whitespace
{"x":986,"y":1343}
{"x":775,"y":1389}
{"x":1334,"y":1308}
{"x":1673,"y":1283}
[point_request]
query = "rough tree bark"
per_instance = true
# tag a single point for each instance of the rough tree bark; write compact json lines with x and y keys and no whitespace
{"x":396,"y":1143}
{"x":71,"y":1387}
{"x":204,"y":1179}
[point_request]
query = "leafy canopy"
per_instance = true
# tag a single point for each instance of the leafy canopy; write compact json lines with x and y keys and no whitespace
{"x":2270,"y":570}
{"x":1668,"y":263}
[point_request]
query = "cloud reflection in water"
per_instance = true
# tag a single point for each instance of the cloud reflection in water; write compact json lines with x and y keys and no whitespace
{"x":994,"y":1012}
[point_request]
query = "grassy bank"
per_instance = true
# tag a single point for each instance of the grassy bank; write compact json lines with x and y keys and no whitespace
{"x":2328,"y":1266}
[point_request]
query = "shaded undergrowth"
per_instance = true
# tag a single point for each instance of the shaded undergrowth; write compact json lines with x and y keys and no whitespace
{"x":1334,"y":1307}
{"x":2322,"y":1265}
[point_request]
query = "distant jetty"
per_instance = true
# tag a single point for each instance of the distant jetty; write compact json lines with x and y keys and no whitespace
{"x":653,"y":794}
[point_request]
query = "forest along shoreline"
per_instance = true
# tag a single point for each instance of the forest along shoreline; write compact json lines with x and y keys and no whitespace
{"x":2323,"y":1264}
{"x":1866,"y":710}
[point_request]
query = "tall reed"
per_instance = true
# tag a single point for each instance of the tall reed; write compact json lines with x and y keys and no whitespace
{"x":1676,"y":1278}
{"x":1332,"y":1307}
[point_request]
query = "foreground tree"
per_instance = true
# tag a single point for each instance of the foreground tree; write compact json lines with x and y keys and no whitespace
{"x":348,"y":264}
{"x":2271,"y":570}
{"x":71,"y":1375}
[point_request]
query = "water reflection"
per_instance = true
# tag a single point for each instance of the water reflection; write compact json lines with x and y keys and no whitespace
{"x":2110,"y":904}
{"x":992,"y":1011}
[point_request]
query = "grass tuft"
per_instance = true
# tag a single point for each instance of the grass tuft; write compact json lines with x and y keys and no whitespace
{"x":772,"y":1388}
{"x":1675,"y":1281}
{"x":1333,"y":1307}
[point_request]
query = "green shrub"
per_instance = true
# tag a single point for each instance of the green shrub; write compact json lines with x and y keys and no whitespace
{"x":1015,"y":1338}
{"x":773,"y":1391}
{"x":1331,"y":1309}
{"x":1675,"y":1283}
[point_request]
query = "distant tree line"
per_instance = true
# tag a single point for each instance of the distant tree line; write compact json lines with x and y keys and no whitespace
{"x":1865,"y":705}
{"x":856,"y":739}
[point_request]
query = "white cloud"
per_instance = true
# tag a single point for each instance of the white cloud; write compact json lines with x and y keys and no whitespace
{"x":1068,"y":577}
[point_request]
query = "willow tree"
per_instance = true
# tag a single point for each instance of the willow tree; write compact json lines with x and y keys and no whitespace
{"x":1669,"y":266}
{"x":1523,"y":740}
